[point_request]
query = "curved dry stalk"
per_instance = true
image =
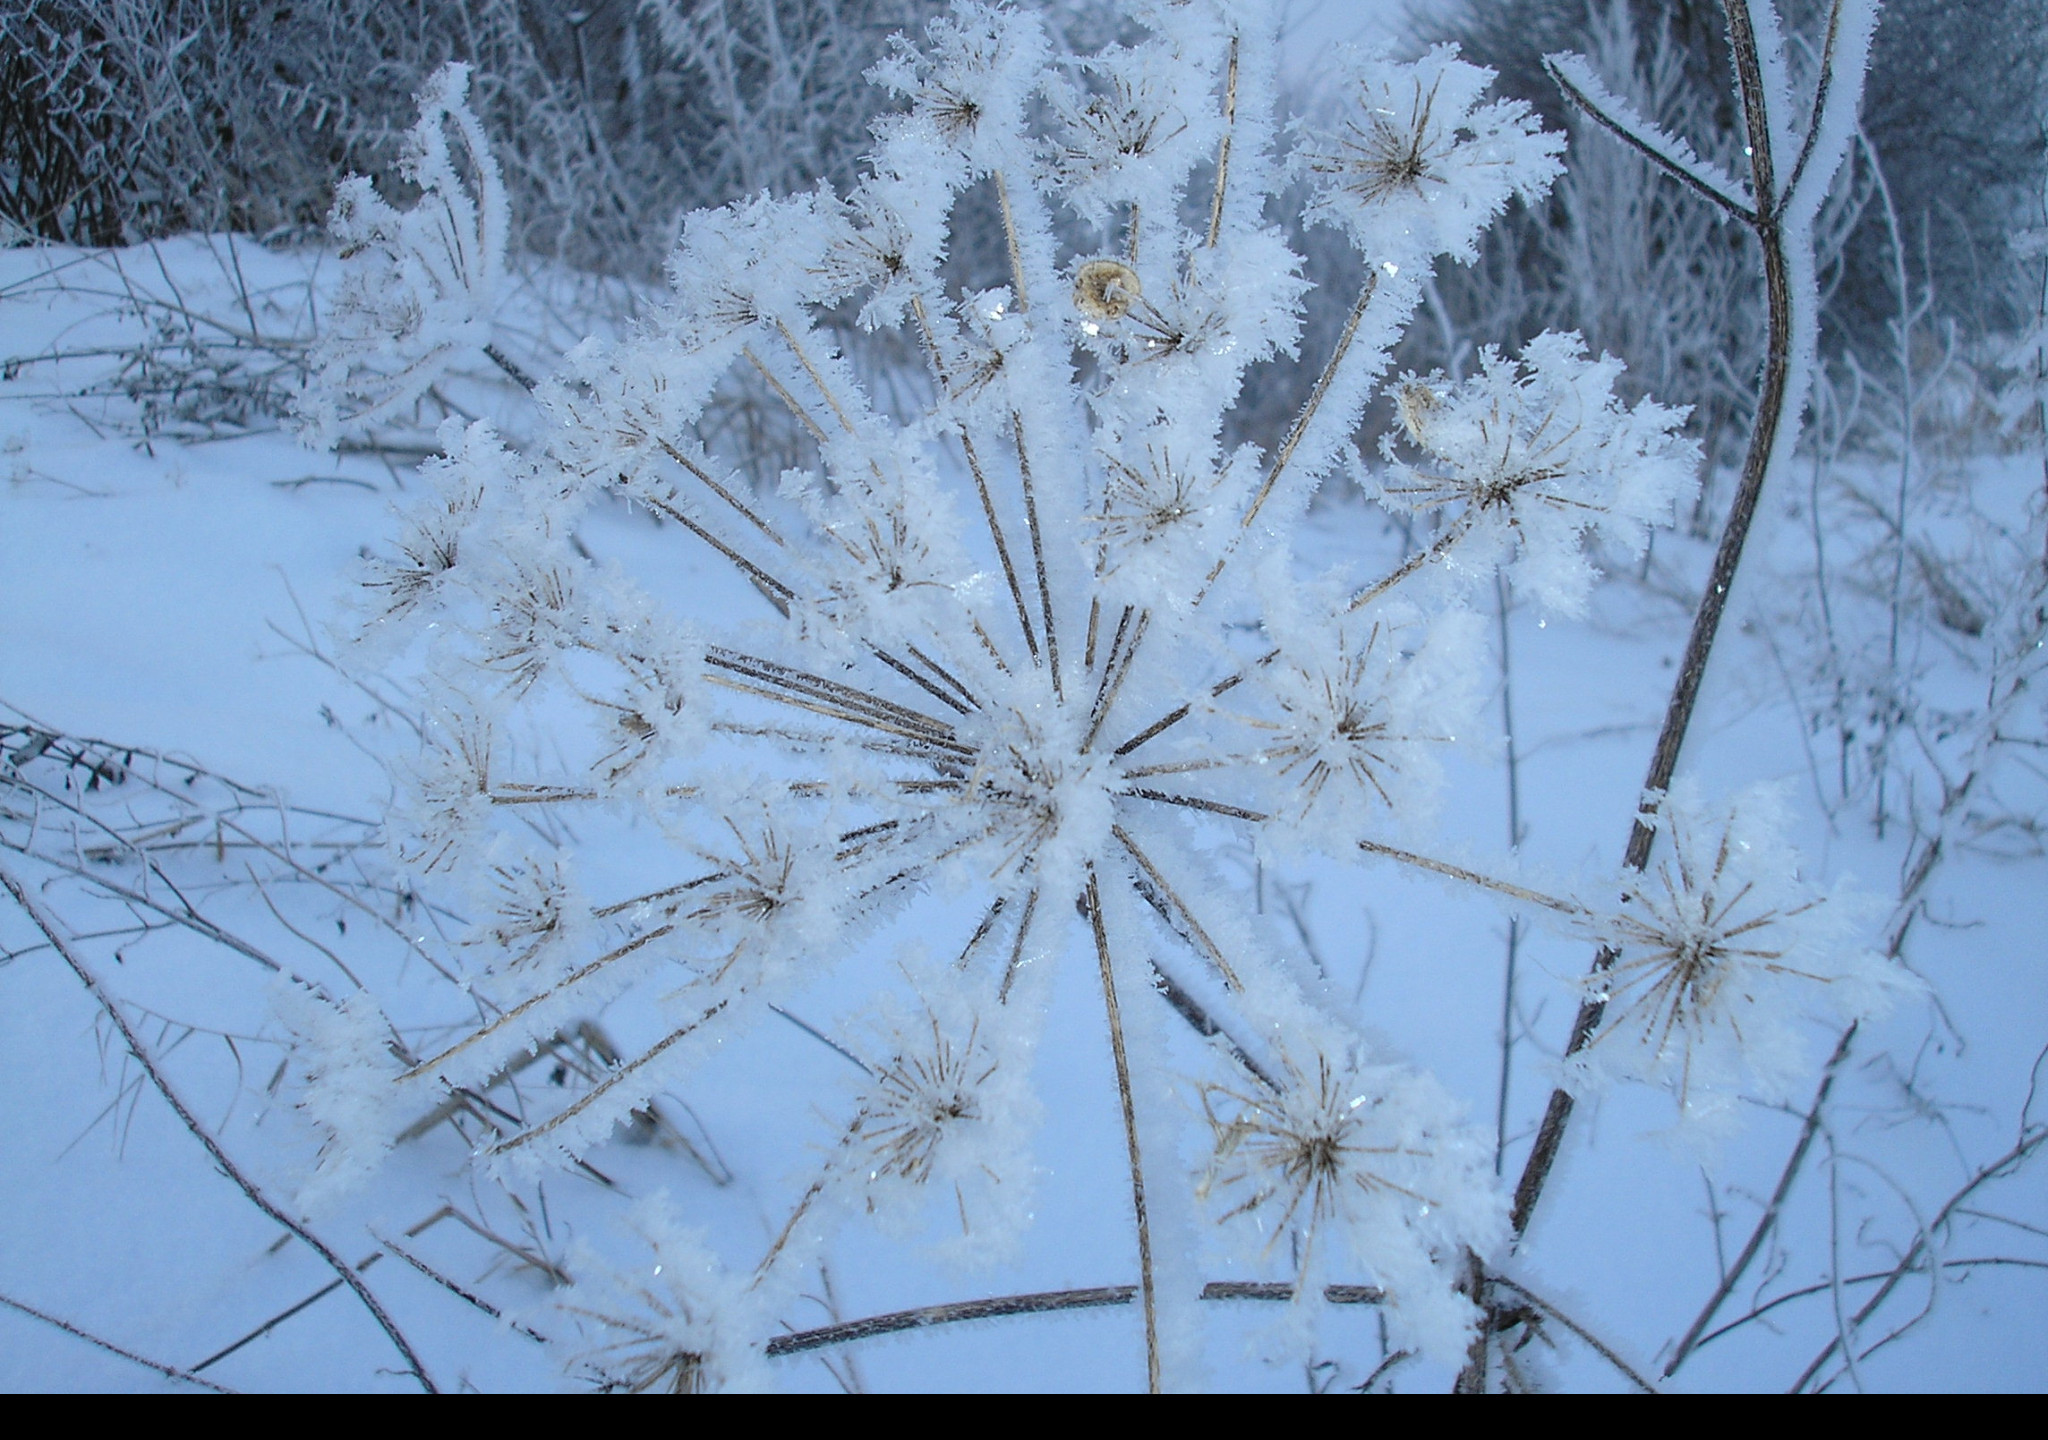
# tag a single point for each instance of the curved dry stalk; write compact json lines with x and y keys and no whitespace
{"x":1770,"y":414}
{"x":2028,"y":1142}
{"x":1695,"y":1335}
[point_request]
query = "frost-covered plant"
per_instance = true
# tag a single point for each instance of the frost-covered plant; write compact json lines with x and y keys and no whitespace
{"x":1027,"y":652}
{"x":420,"y":285}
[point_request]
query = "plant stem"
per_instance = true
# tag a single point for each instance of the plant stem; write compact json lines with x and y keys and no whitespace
{"x":1707,"y":619}
{"x":1123,"y":1086}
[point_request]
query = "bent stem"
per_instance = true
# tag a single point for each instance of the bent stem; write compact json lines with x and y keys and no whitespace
{"x":1770,"y":412}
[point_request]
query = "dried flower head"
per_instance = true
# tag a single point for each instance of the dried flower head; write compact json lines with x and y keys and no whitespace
{"x":1721,"y":950}
{"x":1529,"y":455}
{"x":1106,"y":289}
{"x":1424,"y":166}
{"x":676,"y":1322}
{"x":1367,"y":1157}
{"x":418,"y":286}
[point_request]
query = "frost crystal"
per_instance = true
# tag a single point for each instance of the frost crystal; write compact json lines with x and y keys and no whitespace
{"x":1375,"y":1154}
{"x":675,"y":1323}
{"x":1529,"y":455}
{"x":1423,"y":166}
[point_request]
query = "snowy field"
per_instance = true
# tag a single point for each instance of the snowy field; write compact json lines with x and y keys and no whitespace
{"x":218,"y":823}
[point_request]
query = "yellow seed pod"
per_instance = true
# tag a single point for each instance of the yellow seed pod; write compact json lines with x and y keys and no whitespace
{"x":1105,"y":289}
{"x":1417,"y":404}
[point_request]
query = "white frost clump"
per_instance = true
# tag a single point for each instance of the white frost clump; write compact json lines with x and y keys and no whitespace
{"x":1368,"y":1160}
{"x":419,"y":286}
{"x":676,"y":1322}
{"x":1422,"y":166}
{"x":1529,"y":455}
{"x":945,"y":1119}
{"x":1015,"y":649}
{"x":1722,"y":951}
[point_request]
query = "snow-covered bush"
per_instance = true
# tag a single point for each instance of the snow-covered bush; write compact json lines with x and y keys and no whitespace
{"x":1018,"y":649}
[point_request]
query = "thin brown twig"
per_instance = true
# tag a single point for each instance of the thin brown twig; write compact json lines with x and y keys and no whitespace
{"x":169,"y":1372}
{"x":1727,"y":557}
{"x":1123,"y":1086}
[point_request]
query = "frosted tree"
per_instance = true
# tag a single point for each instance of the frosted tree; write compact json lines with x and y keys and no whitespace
{"x":1026,"y":653}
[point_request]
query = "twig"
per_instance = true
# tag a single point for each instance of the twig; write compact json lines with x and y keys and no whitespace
{"x":1123,"y":1086}
{"x":1707,"y":619}
{"x":1043,"y":1302}
{"x":1769,"y":1220}
{"x":170,"y":1372}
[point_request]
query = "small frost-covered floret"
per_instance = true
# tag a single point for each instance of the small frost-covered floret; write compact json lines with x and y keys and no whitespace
{"x":1530,"y":455}
{"x":533,"y":910}
{"x":1721,"y":951}
{"x":677,"y":1322}
{"x":925,"y":1094}
{"x":945,"y":1117}
{"x":1368,"y":1157}
{"x":1423,"y":165}
{"x":419,"y":286}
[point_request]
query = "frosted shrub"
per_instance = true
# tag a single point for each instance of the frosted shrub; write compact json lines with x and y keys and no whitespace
{"x":1027,"y":652}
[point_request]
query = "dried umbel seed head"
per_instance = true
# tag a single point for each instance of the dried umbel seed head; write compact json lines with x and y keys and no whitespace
{"x":1106,"y":289}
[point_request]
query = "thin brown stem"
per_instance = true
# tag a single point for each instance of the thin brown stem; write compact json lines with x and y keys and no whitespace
{"x":1010,"y":240}
{"x":169,"y":1372}
{"x":1223,"y":148}
{"x":1016,"y":962}
{"x":704,"y":476}
{"x":1166,"y":892}
{"x":1771,"y":404}
{"x":1052,"y":641}
{"x":517,"y":1012}
{"x":1314,"y":402}
{"x":1473,"y":877}
{"x":1772,"y":1209}
{"x":774,"y":591}
{"x":1123,"y":1087}
{"x":611,"y":1082}
{"x":1041,"y":1303}
{"x":1452,"y":533}
{"x":981,"y":489}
